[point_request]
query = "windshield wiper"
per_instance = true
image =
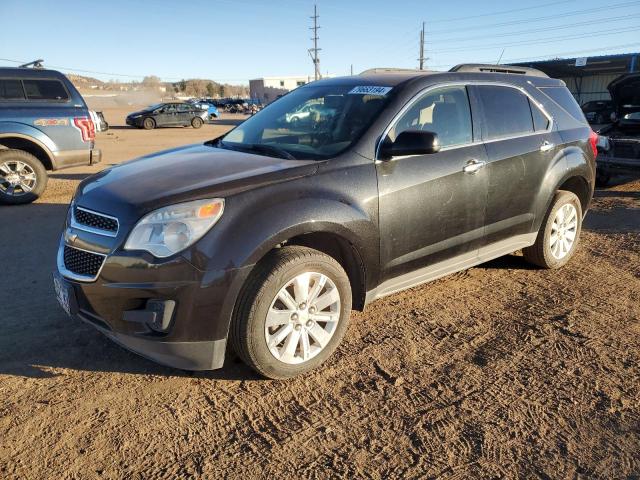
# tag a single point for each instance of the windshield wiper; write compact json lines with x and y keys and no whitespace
{"x":268,"y":148}
{"x":265,"y":148}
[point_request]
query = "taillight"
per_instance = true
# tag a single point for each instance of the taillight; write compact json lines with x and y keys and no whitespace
{"x":86,"y":127}
{"x":593,"y":141}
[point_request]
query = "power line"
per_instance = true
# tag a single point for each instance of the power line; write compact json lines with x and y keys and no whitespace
{"x":556,"y":56}
{"x":537,"y":30}
{"x":549,"y":17}
{"x":545,"y":40}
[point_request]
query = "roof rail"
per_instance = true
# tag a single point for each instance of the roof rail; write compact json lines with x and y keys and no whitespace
{"x":34,"y":64}
{"x":373,"y":71}
{"x":478,"y":67}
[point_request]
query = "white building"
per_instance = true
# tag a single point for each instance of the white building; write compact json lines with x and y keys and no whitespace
{"x":268,"y":89}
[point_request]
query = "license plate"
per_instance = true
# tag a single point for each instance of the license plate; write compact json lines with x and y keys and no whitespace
{"x":63,"y":294}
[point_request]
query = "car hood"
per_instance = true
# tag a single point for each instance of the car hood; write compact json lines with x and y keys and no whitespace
{"x":625,"y":92}
{"x":139,"y":112}
{"x":192,"y":172}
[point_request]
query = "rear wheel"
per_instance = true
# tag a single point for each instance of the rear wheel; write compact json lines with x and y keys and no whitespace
{"x":559,"y":234}
{"x":149,"y":124}
{"x":196,"y":122}
{"x":293,"y":312}
{"x":22,"y":177}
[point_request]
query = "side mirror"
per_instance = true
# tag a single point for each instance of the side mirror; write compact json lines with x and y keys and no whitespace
{"x":411,"y":142}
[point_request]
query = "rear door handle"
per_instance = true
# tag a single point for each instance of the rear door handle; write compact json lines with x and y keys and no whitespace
{"x":546,"y":146}
{"x":473,"y":166}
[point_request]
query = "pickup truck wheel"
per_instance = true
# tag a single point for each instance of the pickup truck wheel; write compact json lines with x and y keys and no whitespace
{"x":196,"y":122}
{"x":149,"y":124}
{"x":22,"y":177}
{"x":559,"y":234}
{"x":292,"y":313}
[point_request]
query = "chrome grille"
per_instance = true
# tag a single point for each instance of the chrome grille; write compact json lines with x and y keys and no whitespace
{"x":93,"y":221}
{"x":81,"y":262}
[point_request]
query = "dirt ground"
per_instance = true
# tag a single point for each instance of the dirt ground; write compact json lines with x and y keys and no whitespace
{"x":501,"y":371}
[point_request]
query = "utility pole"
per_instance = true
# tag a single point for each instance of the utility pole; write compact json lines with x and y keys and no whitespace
{"x":315,"y":49}
{"x":421,"y":59}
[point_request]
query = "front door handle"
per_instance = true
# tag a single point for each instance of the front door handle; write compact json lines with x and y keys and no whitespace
{"x":473,"y":166}
{"x":546,"y":146}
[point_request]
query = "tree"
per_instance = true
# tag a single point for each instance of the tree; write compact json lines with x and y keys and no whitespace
{"x":151,"y":81}
{"x":221,"y":91}
{"x":211,"y":89}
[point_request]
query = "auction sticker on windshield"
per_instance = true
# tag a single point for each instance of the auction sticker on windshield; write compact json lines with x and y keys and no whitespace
{"x":370,"y":90}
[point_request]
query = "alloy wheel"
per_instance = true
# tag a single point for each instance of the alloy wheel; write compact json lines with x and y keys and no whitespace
{"x":16,"y":178}
{"x":563,"y":231}
{"x":302,"y":318}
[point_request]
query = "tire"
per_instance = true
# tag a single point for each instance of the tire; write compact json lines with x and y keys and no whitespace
{"x":545,"y":252}
{"x":19,"y":166}
{"x":148,"y":123}
{"x":261,"y":295}
{"x":196,"y":122}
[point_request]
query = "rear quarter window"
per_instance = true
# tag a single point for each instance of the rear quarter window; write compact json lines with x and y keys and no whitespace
{"x":506,"y":112}
{"x":562,"y":96}
{"x":37,"y":89}
{"x":11,"y":89}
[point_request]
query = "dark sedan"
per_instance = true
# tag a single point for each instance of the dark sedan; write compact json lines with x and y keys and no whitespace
{"x":168,"y":115}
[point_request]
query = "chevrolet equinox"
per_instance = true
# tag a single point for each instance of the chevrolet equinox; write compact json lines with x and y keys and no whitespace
{"x":268,"y":236}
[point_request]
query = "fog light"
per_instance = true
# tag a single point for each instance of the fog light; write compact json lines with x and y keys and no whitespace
{"x":163,"y":310}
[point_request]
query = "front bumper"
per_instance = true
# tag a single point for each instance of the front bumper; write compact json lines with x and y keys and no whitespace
{"x":119,"y":300}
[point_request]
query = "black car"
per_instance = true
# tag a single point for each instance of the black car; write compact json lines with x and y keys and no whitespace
{"x":598,"y":111}
{"x":268,"y":236}
{"x":619,"y":144}
{"x":172,"y":114}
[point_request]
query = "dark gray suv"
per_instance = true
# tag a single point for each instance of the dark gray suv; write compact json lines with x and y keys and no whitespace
{"x":44,"y":125}
{"x":270,"y":235}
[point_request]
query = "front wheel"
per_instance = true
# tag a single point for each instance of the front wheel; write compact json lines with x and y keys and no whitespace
{"x":558,"y":237}
{"x":22,"y":177}
{"x":149,"y":124}
{"x":196,"y":122}
{"x":292,"y":313}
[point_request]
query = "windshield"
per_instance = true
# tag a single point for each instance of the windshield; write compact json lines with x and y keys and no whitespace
{"x":153,"y":107}
{"x":310,"y":122}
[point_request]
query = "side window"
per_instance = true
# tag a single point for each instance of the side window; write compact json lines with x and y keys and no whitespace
{"x":11,"y":89}
{"x":506,"y":111}
{"x":563,"y":97}
{"x":45,"y":90}
{"x":540,"y":120}
{"x":444,"y":111}
{"x":185,"y":108}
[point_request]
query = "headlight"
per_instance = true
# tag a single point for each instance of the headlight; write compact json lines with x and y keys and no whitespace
{"x":171,"y":229}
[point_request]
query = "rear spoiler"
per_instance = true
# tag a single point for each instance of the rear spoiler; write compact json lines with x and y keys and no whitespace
{"x":482,"y":68}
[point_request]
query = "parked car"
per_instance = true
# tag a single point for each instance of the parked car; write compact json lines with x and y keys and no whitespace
{"x":309,"y":113}
{"x":619,"y":144}
{"x":172,"y":114}
{"x":598,"y":111}
{"x":44,"y":125}
{"x":266,"y":238}
{"x":99,"y":121}
{"x":209,"y":106}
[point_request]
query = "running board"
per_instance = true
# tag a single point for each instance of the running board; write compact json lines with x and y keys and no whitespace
{"x":456,"y":264}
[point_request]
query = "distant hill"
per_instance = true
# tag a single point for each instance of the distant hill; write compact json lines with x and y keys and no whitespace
{"x":195,"y":87}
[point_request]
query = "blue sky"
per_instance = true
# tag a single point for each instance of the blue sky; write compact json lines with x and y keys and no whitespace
{"x":235,"y":40}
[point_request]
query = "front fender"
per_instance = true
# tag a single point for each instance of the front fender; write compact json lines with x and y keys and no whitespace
{"x":244,"y":238}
